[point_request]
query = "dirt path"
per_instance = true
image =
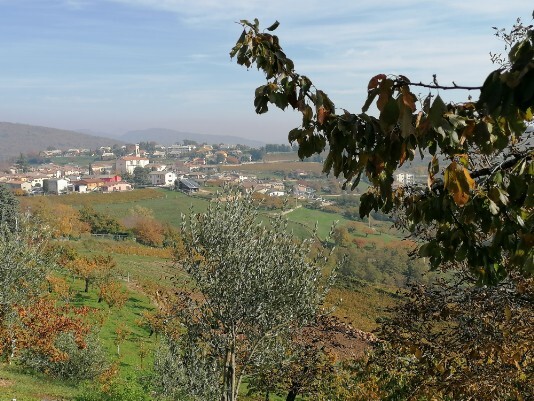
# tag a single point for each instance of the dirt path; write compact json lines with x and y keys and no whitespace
{"x":290,"y":210}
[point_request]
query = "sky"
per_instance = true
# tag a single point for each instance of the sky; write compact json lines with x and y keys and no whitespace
{"x":117,"y":65}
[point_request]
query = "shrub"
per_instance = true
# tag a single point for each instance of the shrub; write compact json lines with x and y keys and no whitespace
{"x":78,"y":364}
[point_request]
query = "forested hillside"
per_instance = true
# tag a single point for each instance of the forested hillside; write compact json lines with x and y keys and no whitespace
{"x":21,"y":138}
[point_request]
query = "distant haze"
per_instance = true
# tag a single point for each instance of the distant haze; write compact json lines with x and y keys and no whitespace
{"x":168,"y":137}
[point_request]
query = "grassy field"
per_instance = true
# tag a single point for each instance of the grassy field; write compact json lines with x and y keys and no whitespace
{"x":309,"y":218}
{"x":16,"y":384}
{"x":141,"y":264}
{"x":167,"y":207}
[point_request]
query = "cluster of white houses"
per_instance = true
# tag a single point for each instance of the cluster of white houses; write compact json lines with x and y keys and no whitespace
{"x":56,"y":179}
{"x":405,"y":178}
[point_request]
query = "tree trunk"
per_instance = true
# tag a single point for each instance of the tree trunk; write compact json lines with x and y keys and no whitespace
{"x":13,"y":343}
{"x":292,"y":395}
{"x":86,"y":285}
{"x":229,"y":380}
{"x":234,"y":389}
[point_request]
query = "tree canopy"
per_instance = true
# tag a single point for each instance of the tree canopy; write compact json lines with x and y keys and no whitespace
{"x":8,"y":209}
{"x":448,"y":340}
{"x":30,"y":319}
{"x":251,"y":285}
{"x":477,"y":206}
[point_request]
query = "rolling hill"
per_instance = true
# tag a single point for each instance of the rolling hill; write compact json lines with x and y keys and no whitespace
{"x":23,"y":138}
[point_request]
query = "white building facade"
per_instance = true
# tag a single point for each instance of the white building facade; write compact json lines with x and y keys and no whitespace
{"x":163,"y":178}
{"x":405,"y":178}
{"x":127,"y":164}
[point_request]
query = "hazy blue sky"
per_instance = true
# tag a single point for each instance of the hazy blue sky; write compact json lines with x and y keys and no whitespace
{"x":117,"y":65}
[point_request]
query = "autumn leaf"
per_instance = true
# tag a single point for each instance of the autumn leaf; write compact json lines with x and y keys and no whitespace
{"x":467,"y":132}
{"x":408,"y":98}
{"x":322,"y":115}
{"x":458,"y":183}
{"x":375,"y":81}
{"x":385,"y":94}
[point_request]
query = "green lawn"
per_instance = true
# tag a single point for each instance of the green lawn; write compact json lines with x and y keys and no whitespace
{"x":167,"y":209}
{"x":308,"y":218}
{"x":16,"y":384}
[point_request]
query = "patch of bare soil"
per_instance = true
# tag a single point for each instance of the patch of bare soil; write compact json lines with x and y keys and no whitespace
{"x":5,"y":382}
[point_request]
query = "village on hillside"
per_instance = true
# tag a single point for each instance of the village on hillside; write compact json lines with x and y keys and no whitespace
{"x":185,"y":167}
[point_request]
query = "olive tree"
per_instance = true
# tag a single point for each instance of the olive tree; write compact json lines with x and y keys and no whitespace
{"x":252,"y":283}
{"x":8,"y":208}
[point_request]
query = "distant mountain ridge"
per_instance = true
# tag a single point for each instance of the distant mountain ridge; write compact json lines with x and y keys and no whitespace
{"x":166,"y":137}
{"x":18,"y":138}
{"x":23,"y":138}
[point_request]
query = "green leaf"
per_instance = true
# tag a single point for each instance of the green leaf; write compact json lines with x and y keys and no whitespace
{"x":516,"y":188}
{"x":295,"y":134}
{"x":238,"y":44}
{"x":426,"y":250}
{"x":370,"y":97}
{"x":494,"y":209}
{"x":464,"y":160}
{"x":503,"y":197}
{"x":279,"y":99}
{"x":367,"y":203}
{"x":307,"y":115}
{"x":436,"y":113}
{"x":461,"y":253}
{"x":491,"y":92}
{"x":262,"y":98}
{"x":407,"y":127}
{"x":390,"y":113}
{"x":529,"y":201}
{"x":273,"y":26}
